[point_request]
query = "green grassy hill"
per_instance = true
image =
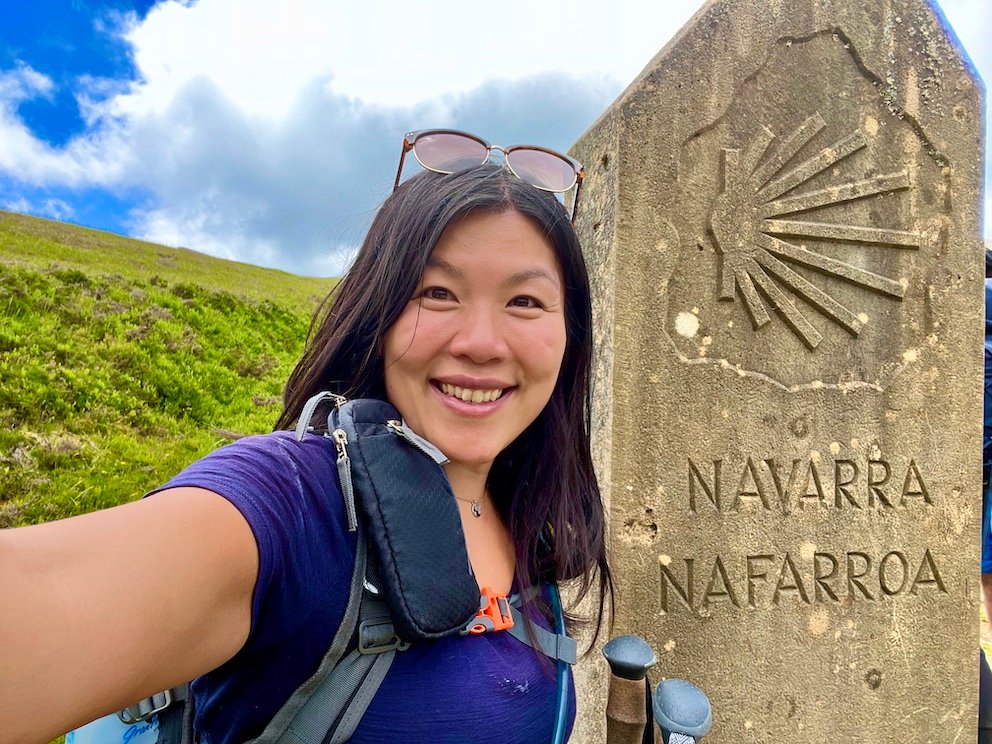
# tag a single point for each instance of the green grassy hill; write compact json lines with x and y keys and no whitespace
{"x":122,"y":361}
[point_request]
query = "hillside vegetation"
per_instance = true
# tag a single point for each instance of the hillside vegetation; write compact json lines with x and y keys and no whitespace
{"x":123,"y":361}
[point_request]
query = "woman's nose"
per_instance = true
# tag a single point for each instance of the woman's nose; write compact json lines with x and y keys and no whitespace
{"x":480,"y":337}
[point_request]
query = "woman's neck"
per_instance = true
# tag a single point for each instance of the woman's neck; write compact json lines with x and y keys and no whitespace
{"x":489,"y":545}
{"x":467,"y":482}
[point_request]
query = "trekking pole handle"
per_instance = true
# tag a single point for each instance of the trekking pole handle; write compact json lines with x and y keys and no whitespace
{"x":629,"y":658}
{"x":682,"y":711}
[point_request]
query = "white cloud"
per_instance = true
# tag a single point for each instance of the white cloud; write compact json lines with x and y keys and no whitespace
{"x":971,"y":22}
{"x":286,"y":193}
{"x":258,"y":55}
{"x":92,"y":94}
{"x":198,"y":226}
{"x":21,"y":84}
{"x":261,"y":55}
{"x":57,"y":209}
{"x":18,"y":205}
{"x":258,"y":129}
{"x":86,"y":160}
{"x":94,"y":160}
{"x":450,"y":46}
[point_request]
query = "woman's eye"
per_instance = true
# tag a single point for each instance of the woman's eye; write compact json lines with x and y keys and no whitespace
{"x":525,"y":301}
{"x":436,"y":293}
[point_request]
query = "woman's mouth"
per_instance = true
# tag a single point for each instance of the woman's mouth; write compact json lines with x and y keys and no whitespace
{"x":470,"y":395}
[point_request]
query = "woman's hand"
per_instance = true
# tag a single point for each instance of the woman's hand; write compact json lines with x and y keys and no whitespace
{"x":101,"y":610}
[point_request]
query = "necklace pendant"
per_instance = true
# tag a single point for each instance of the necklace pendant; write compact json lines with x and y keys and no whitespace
{"x":476,"y":508}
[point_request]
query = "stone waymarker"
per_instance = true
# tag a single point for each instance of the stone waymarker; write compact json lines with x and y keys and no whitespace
{"x":782,"y":220}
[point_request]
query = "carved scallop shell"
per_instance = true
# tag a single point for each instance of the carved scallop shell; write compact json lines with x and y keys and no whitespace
{"x":762,"y":214}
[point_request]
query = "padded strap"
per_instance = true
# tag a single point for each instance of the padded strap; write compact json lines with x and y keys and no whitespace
{"x":317,"y":718}
{"x":412,"y":521}
{"x":363,"y":695}
{"x":172,"y":724}
{"x":329,"y":706}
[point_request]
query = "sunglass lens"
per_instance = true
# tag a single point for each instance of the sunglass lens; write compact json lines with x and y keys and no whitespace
{"x":542,"y":169}
{"x":448,"y":152}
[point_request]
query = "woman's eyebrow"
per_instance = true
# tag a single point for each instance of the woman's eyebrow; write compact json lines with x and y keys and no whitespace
{"x":522,"y":276}
{"x":518,"y":278}
{"x":447,"y":268}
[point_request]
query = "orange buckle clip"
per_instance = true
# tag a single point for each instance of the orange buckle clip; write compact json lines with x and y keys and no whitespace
{"x":494,"y":614}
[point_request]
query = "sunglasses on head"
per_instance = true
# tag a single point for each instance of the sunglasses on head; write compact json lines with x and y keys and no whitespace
{"x":449,"y":151}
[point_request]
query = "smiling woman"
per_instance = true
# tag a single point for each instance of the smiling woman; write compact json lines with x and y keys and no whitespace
{"x":468,"y":310}
{"x":474,"y":356}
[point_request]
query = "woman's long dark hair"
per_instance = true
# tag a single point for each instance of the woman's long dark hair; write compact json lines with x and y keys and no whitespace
{"x":543,"y":483}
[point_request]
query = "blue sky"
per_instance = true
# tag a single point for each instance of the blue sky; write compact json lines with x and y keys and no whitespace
{"x":268,"y":132}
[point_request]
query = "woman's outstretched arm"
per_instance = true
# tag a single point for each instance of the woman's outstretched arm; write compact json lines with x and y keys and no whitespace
{"x":101,"y":610}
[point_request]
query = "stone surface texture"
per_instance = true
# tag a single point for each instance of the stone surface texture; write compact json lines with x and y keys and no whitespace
{"x":781,"y":217}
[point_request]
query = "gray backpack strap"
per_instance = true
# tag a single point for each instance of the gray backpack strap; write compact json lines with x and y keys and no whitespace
{"x":279,"y":728}
{"x":171,"y":710}
{"x":329,"y":706}
{"x":304,"y":425}
{"x":335,"y":708}
{"x":144,"y":709}
{"x":189,"y":711}
{"x":553,"y":645}
{"x":172,"y":727}
{"x":363,"y":670}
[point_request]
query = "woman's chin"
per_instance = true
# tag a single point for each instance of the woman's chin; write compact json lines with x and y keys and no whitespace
{"x":464,"y":455}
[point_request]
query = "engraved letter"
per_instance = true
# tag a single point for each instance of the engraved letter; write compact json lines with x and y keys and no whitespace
{"x":875,"y":484}
{"x":712,"y":494}
{"x":746,"y":492}
{"x":725,"y":591}
{"x":883,"y":583}
{"x":753,"y":570}
{"x":918,"y":489}
{"x":933,"y":575}
{"x":820,"y":578}
{"x":784,"y":494}
{"x":789,"y":580}
{"x":684,"y":593}
{"x":853,"y":578}
{"x":813,"y":478}
{"x":840,"y":486}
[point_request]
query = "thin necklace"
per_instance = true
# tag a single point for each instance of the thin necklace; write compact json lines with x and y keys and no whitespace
{"x":476,"y":505}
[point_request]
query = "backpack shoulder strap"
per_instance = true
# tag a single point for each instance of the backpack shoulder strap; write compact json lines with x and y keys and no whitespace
{"x":336,"y":696}
{"x":334,"y":708}
{"x":555,"y":645}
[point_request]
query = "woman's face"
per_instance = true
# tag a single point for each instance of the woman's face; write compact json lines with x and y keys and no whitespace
{"x":475,"y":354}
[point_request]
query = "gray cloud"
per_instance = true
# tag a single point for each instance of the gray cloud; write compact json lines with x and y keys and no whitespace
{"x":299,"y":194}
{"x":548,"y":110}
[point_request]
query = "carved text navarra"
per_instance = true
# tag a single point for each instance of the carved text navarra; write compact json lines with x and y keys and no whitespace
{"x":774,"y":485}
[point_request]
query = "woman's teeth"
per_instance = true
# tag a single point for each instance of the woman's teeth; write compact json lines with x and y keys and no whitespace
{"x":469,"y":395}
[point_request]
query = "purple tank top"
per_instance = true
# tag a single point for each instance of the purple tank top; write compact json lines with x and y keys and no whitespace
{"x":458,"y":689}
